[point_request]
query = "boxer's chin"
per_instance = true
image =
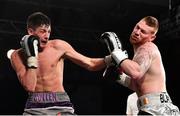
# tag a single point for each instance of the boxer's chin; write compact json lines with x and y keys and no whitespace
{"x":43,"y":45}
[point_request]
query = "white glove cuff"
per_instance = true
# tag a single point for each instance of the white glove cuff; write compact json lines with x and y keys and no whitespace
{"x":32,"y":62}
{"x":119,"y":56}
{"x":124,"y":80}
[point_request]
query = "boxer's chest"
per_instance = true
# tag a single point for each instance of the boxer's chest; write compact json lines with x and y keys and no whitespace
{"x":48,"y":61}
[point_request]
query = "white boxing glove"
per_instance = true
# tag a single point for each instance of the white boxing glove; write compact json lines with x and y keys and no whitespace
{"x":119,"y":56}
{"x":112,"y":41}
{"x":9,"y":53}
{"x":123,"y":79}
{"x":30,"y":45}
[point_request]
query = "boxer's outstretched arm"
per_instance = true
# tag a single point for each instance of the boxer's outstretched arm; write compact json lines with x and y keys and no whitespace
{"x":92,"y":64}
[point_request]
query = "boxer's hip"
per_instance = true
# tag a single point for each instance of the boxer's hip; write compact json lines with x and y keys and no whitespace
{"x":48,"y":99}
{"x":154,"y":98}
{"x":157,"y":104}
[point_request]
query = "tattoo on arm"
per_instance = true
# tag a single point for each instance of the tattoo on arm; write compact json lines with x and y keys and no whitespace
{"x":144,"y":58}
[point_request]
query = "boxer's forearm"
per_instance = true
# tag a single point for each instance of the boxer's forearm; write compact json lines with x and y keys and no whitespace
{"x":29,"y":80}
{"x":93,"y":64}
{"x":131,"y":68}
{"x":97,"y":64}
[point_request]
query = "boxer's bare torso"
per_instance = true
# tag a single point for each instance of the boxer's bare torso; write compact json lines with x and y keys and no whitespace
{"x":153,"y":80}
{"x":49,"y":74}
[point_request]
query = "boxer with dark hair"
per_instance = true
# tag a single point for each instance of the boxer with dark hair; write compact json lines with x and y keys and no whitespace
{"x":145,"y":73}
{"x":39,"y":65}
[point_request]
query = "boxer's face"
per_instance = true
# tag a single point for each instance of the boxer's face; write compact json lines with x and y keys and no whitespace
{"x":142,"y":33}
{"x":43,"y":32}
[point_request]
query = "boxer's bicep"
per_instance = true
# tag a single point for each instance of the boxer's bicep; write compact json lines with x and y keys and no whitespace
{"x":73,"y":55}
{"x":144,"y":58}
{"x":80,"y":59}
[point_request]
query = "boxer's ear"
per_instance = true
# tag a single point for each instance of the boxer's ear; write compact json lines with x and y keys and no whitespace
{"x":152,"y":38}
{"x":30,"y":31}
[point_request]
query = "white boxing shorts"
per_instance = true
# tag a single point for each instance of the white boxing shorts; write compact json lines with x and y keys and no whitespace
{"x":157,"y":104}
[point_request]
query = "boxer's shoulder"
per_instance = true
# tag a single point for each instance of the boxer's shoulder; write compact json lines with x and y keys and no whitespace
{"x":149,"y":45}
{"x":59,"y":44}
{"x":56,"y":42}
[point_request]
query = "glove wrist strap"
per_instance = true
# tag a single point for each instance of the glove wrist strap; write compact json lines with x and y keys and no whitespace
{"x":32,"y":62}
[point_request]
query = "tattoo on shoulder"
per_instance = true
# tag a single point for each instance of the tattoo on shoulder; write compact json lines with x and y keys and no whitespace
{"x":143,"y":57}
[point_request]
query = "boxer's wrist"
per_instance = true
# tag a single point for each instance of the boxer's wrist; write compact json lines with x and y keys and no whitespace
{"x":108,"y":60}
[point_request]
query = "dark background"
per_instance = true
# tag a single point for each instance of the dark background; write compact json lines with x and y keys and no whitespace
{"x":81,"y":22}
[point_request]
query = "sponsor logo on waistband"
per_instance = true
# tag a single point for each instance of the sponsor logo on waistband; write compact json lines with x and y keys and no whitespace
{"x":45,"y":97}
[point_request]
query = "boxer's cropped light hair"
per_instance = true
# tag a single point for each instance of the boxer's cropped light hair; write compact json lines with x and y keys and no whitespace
{"x":38,"y":19}
{"x":152,"y":22}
